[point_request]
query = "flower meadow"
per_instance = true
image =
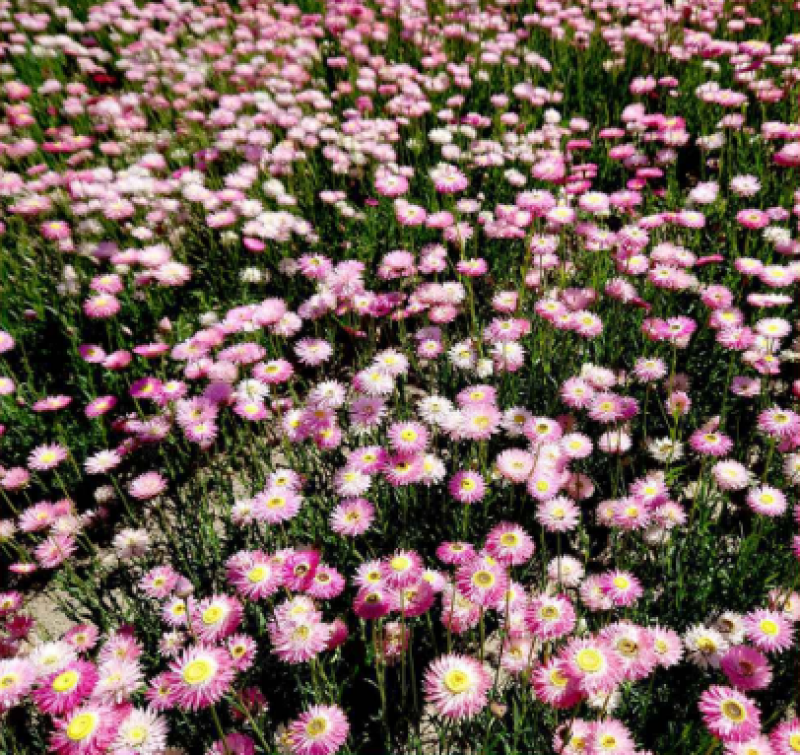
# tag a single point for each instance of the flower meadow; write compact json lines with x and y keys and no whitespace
{"x":399,"y":377}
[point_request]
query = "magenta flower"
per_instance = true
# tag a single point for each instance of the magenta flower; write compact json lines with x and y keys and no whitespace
{"x":321,"y":730}
{"x":457,"y":686}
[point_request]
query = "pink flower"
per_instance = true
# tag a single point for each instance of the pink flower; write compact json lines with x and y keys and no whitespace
{"x":729,"y":715}
{"x":710,"y":443}
{"x":621,"y":587}
{"x":216,"y":618}
{"x":550,"y":618}
{"x":509,"y":544}
{"x":46,"y":457}
{"x":299,"y":641}
{"x":467,"y":487}
{"x":64,"y":690}
{"x":17,"y":676}
{"x":746,"y":668}
{"x":769,"y":631}
{"x":593,"y":665}
{"x":88,"y":730}
{"x":457,"y":686}
{"x":403,"y":569}
{"x":553,"y":687}
{"x":147,"y":486}
{"x":321,"y":730}
{"x":253,"y":575}
{"x":785,"y":738}
{"x":101,"y":307}
{"x":482,"y":581}
{"x":408,"y":437}
{"x":201,"y":677}
{"x":352,"y":517}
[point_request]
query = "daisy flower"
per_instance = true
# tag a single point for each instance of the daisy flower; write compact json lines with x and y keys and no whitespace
{"x":17,"y":676}
{"x":592,"y":664}
{"x":408,"y":437}
{"x":403,"y":569}
{"x":705,"y":646}
{"x":63,"y":691}
{"x":549,"y":618}
{"x":746,"y":668}
{"x":767,"y":501}
{"x":559,"y":514}
{"x":553,"y":687}
{"x":352,"y":517}
{"x":729,"y":715}
{"x":46,"y":457}
{"x":457,"y":686}
{"x":785,"y":737}
{"x":299,"y":642}
{"x":321,"y":730}
{"x":667,"y":646}
{"x":467,"y":487}
{"x":215,"y":618}
{"x":769,"y":631}
{"x":201,"y":677}
{"x":482,"y":581}
{"x":87,"y":730}
{"x":143,"y":732}
{"x":621,"y":587}
{"x":509,"y":544}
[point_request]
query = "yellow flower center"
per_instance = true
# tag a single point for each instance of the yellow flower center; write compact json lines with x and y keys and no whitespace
{"x":509,"y":539}
{"x":400,"y":563}
{"x":82,"y":726}
{"x":706,"y":645}
{"x":467,"y":484}
{"x":608,"y":742}
{"x":137,"y":735}
{"x":316,"y":727}
{"x":794,"y":742}
{"x":734,"y":711}
{"x":8,"y":680}
{"x":621,"y":582}
{"x":197,"y":672}
{"x":457,"y":681}
{"x":257,"y":574}
{"x":549,"y":613}
{"x":484,"y":579}
{"x":276,"y":502}
{"x":66,"y":681}
{"x":557,"y":679}
{"x":589,"y":660}
{"x":627,"y":647}
{"x":769,"y":627}
{"x":408,"y":436}
{"x":212,"y":615}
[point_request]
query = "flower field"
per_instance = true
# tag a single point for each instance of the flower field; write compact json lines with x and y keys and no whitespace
{"x":399,"y":377}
